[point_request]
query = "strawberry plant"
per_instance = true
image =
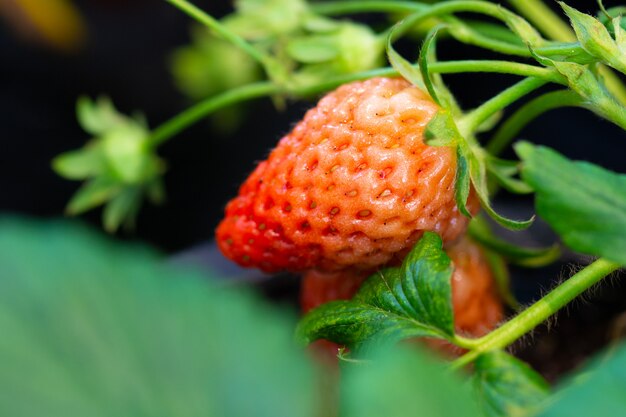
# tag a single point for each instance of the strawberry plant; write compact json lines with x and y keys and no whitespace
{"x":381,"y":196}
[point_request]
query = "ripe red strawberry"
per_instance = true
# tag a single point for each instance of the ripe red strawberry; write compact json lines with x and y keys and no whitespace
{"x":352,"y":186}
{"x":477,"y":306}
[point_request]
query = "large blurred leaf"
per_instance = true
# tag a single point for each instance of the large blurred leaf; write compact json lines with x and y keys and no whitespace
{"x":404,"y":383}
{"x":596,"y":391}
{"x":506,"y":386}
{"x":93,"y":329}
{"x":393,"y":304}
{"x":584,"y":203}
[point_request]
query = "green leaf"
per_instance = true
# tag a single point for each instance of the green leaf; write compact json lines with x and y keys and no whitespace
{"x":583,"y":81}
{"x":349,"y":48}
{"x":90,"y":328}
{"x":426,"y":52}
{"x":504,"y":172}
{"x":97,"y":117}
{"x":121,"y":209}
{"x":596,"y":390}
{"x":611,"y":17}
{"x":478,"y":174}
{"x":506,"y":386}
{"x":312,"y":49}
{"x":501,"y":275}
{"x":596,"y":39}
{"x":522,"y":28}
{"x":92,"y":194}
{"x":434,"y":82}
{"x":205,"y":66}
{"x":393,"y":304}
{"x":462,"y":183}
{"x":404,"y":383}
{"x":584,"y":203}
{"x":442,"y":130}
{"x":400,"y":64}
{"x":267,"y":18}
{"x":127,"y":154}
{"x":80,"y":164}
{"x":360,"y":48}
{"x":527,"y":257}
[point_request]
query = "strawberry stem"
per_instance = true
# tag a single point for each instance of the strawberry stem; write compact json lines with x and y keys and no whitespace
{"x":471,"y":121}
{"x":537,"y":313}
{"x":197,"y":112}
{"x":263,"y":89}
{"x":544,"y":18}
{"x":547,"y":21}
{"x":528,"y":112}
{"x":271,"y":66}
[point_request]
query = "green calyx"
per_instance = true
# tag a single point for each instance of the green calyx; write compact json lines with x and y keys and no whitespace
{"x":119,"y":165}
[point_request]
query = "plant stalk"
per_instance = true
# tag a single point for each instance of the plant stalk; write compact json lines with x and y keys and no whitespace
{"x":216,"y":26}
{"x":471,"y":121}
{"x":548,"y":22}
{"x":197,"y":112}
{"x":528,"y":112}
{"x":537,"y":313}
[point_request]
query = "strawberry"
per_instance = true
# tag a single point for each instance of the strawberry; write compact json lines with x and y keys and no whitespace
{"x":477,"y":305}
{"x":353,"y":186}
{"x":319,"y":287}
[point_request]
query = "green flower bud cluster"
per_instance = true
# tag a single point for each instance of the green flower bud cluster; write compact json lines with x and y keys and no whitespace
{"x":118,"y":164}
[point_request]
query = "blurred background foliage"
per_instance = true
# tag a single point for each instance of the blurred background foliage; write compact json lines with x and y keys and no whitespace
{"x":147,"y":57}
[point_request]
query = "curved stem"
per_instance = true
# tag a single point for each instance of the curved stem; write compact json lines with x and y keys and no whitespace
{"x":458,"y":29}
{"x":197,"y":112}
{"x":547,"y":21}
{"x":537,"y":313}
{"x":613,"y":83}
{"x":464,"y":342}
{"x":218,"y":28}
{"x":544,"y":18}
{"x":348,"y":7}
{"x":455,"y":6}
{"x":470,"y":36}
{"x":442,"y":67}
{"x":528,"y":112}
{"x":262,"y":89}
{"x":476,"y":117}
{"x":502,"y":67}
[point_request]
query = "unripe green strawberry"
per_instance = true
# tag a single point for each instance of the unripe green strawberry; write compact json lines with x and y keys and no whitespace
{"x":352,"y":186}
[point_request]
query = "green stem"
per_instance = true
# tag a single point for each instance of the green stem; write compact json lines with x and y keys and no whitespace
{"x":502,"y":67}
{"x":456,"y":6}
{"x":262,"y":89}
{"x":553,"y":26}
{"x":471,"y":121}
{"x":539,"y":312}
{"x":610,"y":109}
{"x":470,"y":36}
{"x":544,"y":18}
{"x":528,"y":112}
{"x":458,"y":29}
{"x":218,"y":28}
{"x":614,"y":84}
{"x":197,"y":112}
{"x":348,"y":7}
